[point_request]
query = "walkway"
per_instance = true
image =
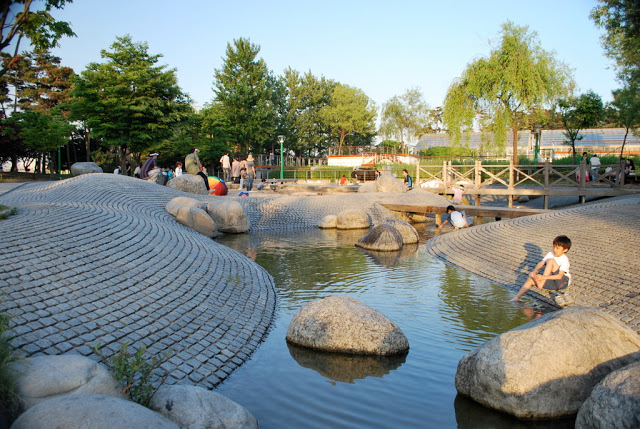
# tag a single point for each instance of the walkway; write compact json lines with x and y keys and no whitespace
{"x":97,"y":258}
{"x":604,"y":256}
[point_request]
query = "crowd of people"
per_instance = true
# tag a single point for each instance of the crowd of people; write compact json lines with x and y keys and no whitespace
{"x":238,"y":170}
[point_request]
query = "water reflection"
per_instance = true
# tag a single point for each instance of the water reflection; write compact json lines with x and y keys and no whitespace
{"x":444,"y":312}
{"x":343,"y":367}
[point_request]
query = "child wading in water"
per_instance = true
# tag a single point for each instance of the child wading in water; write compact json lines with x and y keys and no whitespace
{"x":556,"y":274}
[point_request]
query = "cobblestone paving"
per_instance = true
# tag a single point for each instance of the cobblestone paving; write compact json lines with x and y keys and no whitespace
{"x":604,"y":255}
{"x":96,"y":258}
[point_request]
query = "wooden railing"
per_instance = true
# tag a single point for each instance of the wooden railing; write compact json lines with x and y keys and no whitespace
{"x":512,"y":180}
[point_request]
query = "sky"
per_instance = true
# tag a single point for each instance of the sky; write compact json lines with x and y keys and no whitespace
{"x":383,"y":48}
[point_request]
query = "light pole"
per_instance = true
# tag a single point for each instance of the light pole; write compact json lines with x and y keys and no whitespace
{"x":537,"y":129}
{"x":281,"y":140}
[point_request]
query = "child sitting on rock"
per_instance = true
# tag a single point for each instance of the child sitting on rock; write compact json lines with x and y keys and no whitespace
{"x":556,"y":276}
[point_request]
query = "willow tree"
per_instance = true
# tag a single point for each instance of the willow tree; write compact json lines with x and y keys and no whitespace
{"x":498,"y":91}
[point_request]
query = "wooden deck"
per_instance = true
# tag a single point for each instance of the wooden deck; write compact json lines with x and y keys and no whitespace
{"x":479,"y":212}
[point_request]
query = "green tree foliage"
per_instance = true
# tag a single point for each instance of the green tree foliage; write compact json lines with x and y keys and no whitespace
{"x":128,"y":100}
{"x":245,"y":90}
{"x":517,"y":77}
{"x":578,"y":113}
{"x":305,"y":97}
{"x":350,"y":113}
{"x":406,"y":116}
{"x":624,"y":111}
{"x":19,"y":18}
{"x":43,"y":82}
{"x":621,"y":20}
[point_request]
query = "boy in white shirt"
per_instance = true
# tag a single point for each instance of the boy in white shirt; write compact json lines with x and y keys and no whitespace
{"x":556,"y":265}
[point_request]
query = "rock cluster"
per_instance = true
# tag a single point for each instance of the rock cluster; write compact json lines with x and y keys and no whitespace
{"x":73,"y":391}
{"x":80,"y":168}
{"x":353,"y":219}
{"x":383,"y":238}
{"x":226,"y":216}
{"x":548,"y":367}
{"x":342,"y":324}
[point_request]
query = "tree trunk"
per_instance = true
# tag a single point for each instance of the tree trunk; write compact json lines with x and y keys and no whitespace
{"x":88,"y":144}
{"x":14,"y":164}
{"x":624,"y":141}
{"x":516,"y":159}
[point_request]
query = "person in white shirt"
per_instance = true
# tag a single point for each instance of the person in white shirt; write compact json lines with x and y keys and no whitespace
{"x":556,"y":265}
{"x":595,"y":166}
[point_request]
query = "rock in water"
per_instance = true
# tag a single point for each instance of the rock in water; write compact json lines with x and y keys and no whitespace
{"x":383,"y":238}
{"x":342,"y":324}
{"x":615,"y":402}
{"x":546,"y":368}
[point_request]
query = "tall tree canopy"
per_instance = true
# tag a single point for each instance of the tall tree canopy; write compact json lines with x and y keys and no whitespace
{"x":624,"y":110}
{"x":579,"y":113}
{"x":305,"y":97}
{"x":517,"y":77}
{"x":245,"y":90}
{"x":621,"y":20}
{"x":128,"y":100}
{"x":19,"y":18}
{"x":406,"y":116}
{"x":350,"y":113}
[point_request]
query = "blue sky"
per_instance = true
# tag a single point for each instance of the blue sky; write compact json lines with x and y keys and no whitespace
{"x":381,"y":47}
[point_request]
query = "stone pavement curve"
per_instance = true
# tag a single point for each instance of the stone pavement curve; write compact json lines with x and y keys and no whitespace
{"x":604,"y":256}
{"x":96,"y":258}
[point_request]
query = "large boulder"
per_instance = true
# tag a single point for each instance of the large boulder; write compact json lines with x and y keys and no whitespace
{"x":409,"y":234}
{"x":353,"y":219}
{"x":198,"y":220}
{"x":229,"y":216}
{"x":614,"y":403}
{"x":368,"y":187}
{"x":388,"y":183}
{"x":197,"y":408}
{"x":177,"y":203}
{"x":44,"y":377}
{"x":342,"y":324}
{"x":546,"y":368}
{"x":383,"y":238}
{"x":91,"y":411}
{"x":329,"y":221}
{"x":190,"y":183}
{"x":80,"y":168}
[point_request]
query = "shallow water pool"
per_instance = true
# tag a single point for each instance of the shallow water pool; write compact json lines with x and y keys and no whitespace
{"x":445,"y":312}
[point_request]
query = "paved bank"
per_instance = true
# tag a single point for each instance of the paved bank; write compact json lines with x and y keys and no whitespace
{"x":97,"y":258}
{"x":605,"y":252}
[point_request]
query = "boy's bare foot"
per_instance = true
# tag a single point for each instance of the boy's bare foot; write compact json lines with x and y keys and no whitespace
{"x":514,"y":299}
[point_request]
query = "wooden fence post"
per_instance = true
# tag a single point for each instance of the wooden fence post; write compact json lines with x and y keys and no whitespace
{"x":478,"y":181}
{"x":445,"y":175}
{"x":511,"y":182}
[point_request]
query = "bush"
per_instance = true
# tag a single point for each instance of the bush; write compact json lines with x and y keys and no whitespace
{"x":9,"y":399}
{"x":134,"y":371}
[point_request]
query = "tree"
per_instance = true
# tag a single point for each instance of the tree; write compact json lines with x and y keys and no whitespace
{"x":624,"y":111}
{"x":44,"y":84}
{"x":621,"y":20}
{"x":244,"y":88}
{"x":42,"y":132}
{"x":18,"y":19}
{"x":405,"y":116}
{"x":128,"y":100}
{"x":303,"y":124}
{"x":349,"y":113}
{"x":578,"y":113}
{"x":517,"y":77}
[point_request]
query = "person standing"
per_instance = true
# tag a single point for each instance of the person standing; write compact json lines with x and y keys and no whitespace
{"x":193,"y":166}
{"x":226,"y":167}
{"x":595,"y":166}
{"x":235,"y":170}
{"x":251,"y":172}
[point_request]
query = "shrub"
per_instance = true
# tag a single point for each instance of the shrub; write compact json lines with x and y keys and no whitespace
{"x":9,"y":399}
{"x":134,"y":371}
